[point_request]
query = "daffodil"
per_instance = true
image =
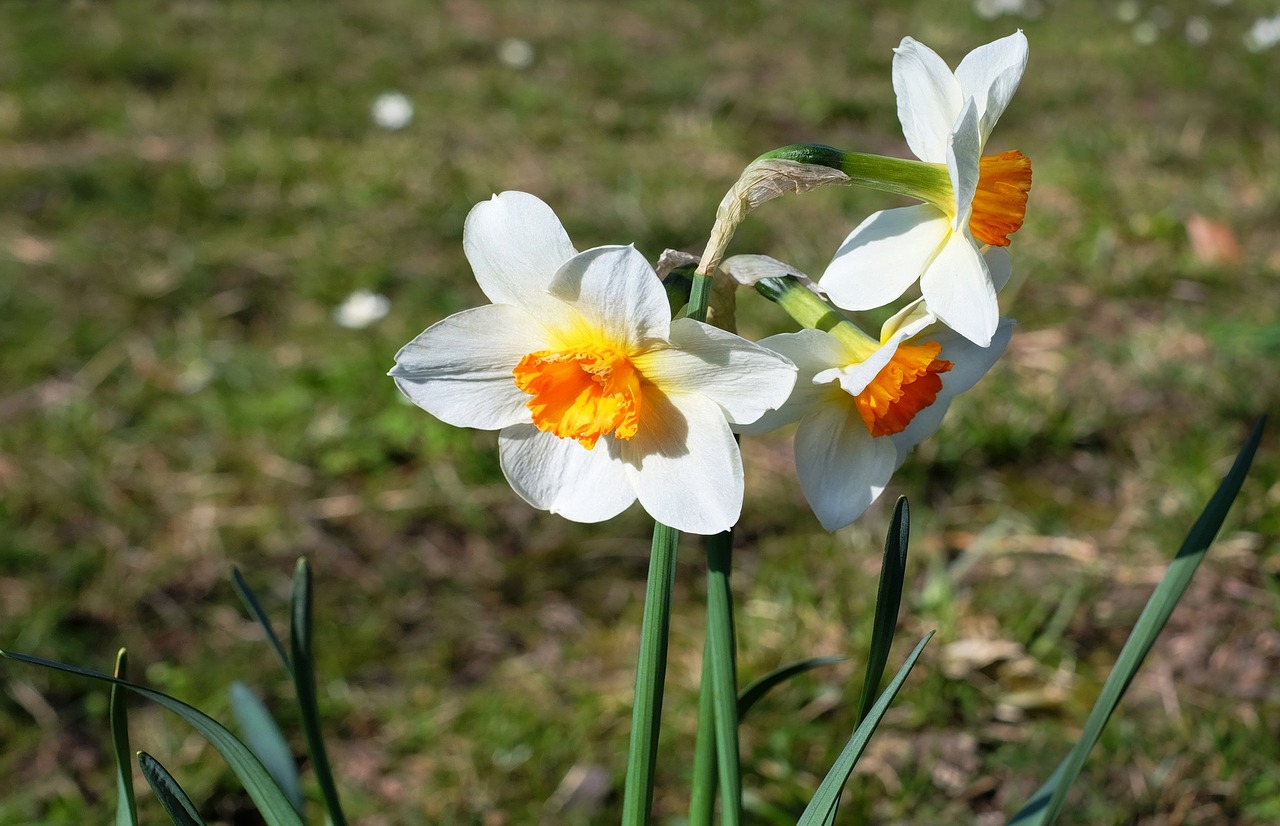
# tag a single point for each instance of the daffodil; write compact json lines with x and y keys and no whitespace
{"x":864,"y":403}
{"x":946,"y":119}
{"x":599,"y":397}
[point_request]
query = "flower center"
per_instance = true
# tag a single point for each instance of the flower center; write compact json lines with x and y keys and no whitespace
{"x":1001,"y":200}
{"x":906,"y":385}
{"x":581,"y":394}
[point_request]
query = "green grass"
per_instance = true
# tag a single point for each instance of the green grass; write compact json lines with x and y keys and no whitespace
{"x":188,"y":191}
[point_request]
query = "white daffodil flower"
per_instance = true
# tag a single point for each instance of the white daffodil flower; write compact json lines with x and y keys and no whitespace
{"x":946,"y":119}
{"x":600,"y":398}
{"x":863,"y":404}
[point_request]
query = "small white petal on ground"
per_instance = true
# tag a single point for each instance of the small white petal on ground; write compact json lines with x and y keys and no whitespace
{"x":392,"y":111}
{"x":516,"y":53}
{"x":360,"y":309}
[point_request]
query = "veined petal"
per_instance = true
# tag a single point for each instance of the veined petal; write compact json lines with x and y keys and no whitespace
{"x":515,"y":244}
{"x":562,"y":476}
{"x":883,"y":256}
{"x":990,"y":74}
{"x":812,"y":351}
{"x":958,"y":289}
{"x":460,"y":369}
{"x":744,"y":378}
{"x":841,"y":468}
{"x":929,"y":99}
{"x":616,"y":292}
{"x":684,"y":464}
{"x":964,"y":160}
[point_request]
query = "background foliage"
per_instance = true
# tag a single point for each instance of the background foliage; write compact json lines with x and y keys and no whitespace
{"x":189,"y":190}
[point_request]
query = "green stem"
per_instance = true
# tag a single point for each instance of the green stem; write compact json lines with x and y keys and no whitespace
{"x":702,"y":802}
{"x":929,"y":182}
{"x":810,"y":311}
{"x":651,"y":670}
{"x":723,"y":674}
{"x":699,"y":297}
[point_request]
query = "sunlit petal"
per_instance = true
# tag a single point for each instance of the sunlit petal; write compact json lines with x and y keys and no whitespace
{"x":929,"y":98}
{"x":460,"y":369}
{"x":745,"y":379}
{"x":990,"y":74}
{"x":563,"y":477}
{"x":842,"y":469}
{"x":884,"y":256}
{"x":617,"y":293}
{"x":684,"y":464}
{"x":959,"y":291}
{"x":515,"y":244}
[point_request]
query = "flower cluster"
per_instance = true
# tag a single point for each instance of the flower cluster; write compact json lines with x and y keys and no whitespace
{"x":601,"y":398}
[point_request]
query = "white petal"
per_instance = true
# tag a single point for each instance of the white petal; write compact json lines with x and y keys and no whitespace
{"x":515,"y":244}
{"x":854,"y":377}
{"x":929,"y":99}
{"x":883,"y":256}
{"x":842,"y":469}
{"x":812,"y":351}
{"x":744,"y":378}
{"x":461,"y":369}
{"x":964,"y":163}
{"x":958,"y":290}
{"x":990,"y":74}
{"x":615,"y":291}
{"x":908,"y":321}
{"x":684,"y":464}
{"x":562,"y":476}
{"x":999,"y":264}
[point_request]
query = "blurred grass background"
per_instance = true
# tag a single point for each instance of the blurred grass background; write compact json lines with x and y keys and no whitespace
{"x":189,"y":190}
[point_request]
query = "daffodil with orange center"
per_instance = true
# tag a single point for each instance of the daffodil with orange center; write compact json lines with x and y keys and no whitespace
{"x":599,"y":397}
{"x":947,"y":119}
{"x":863,"y":403}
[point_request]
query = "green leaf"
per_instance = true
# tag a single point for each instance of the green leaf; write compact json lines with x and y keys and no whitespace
{"x":893,"y":573}
{"x":126,"y":801}
{"x":754,"y":692}
{"x":265,"y":739}
{"x":823,"y":804}
{"x":175,"y":801}
{"x":272,"y":803}
{"x":1045,"y":805}
{"x":304,"y":683}
{"x":255,"y":609}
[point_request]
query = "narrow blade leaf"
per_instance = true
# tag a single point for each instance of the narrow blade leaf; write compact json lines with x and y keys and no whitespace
{"x":265,"y":739}
{"x":175,"y":801}
{"x":1045,"y":805}
{"x":126,"y":800}
{"x":250,"y":601}
{"x":270,"y":800}
{"x":304,"y":683}
{"x":823,"y":804}
{"x":754,"y":692}
{"x":893,"y":573}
